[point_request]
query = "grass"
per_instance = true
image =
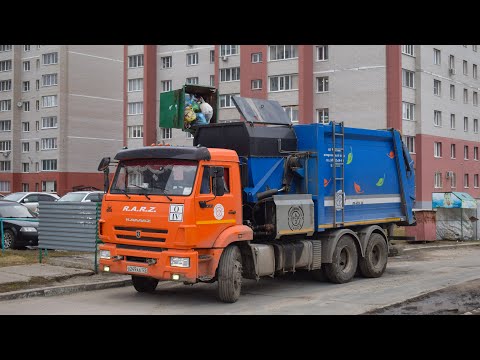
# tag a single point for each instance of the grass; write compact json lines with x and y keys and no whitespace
{"x":30,"y":256}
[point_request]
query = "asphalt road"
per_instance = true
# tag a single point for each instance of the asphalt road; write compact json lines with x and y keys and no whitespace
{"x":406,"y":277}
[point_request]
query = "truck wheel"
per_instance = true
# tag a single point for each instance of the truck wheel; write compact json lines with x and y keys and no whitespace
{"x":230,"y":275}
{"x":344,"y":261}
{"x":375,"y":261}
{"x":144,"y":284}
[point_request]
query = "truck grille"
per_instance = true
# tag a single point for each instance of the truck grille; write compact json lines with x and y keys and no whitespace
{"x":146,"y":234}
{"x":136,"y":247}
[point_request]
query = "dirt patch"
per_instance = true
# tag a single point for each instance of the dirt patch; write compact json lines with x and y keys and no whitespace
{"x":30,"y":256}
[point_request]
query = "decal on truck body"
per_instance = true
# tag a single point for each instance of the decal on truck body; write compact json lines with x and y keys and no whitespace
{"x":176,"y":213}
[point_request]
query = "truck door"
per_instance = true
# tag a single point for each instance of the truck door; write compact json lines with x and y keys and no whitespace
{"x":213,"y":213}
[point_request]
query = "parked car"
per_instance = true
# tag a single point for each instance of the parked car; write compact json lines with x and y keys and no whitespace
{"x":18,"y":233}
{"x":83,"y":196}
{"x":31,"y":199}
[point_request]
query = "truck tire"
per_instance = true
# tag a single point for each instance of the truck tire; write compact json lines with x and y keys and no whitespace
{"x":376,"y":255}
{"x":230,"y":275}
{"x":344,"y":261}
{"x":144,"y":284}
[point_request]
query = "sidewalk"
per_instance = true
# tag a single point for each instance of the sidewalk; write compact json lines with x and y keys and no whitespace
{"x":66,"y":275}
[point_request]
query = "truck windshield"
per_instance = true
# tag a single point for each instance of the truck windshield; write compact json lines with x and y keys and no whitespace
{"x":155,"y":176}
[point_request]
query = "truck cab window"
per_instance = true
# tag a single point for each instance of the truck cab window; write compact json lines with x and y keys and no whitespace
{"x":205,"y":187}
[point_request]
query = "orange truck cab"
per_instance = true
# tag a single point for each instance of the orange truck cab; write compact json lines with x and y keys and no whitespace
{"x":169,"y":213}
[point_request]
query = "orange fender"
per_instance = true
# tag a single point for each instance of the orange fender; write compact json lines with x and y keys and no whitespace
{"x":233,"y":234}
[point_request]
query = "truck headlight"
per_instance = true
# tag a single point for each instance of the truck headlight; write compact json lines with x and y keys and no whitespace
{"x":179,"y":262}
{"x":105,"y":254}
{"x":28,"y":229}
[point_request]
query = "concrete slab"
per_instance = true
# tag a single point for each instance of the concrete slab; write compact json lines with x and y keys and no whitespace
{"x":8,"y":278}
{"x":43,"y":270}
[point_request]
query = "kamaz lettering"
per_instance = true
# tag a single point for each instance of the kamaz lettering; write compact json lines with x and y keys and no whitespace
{"x":151,"y":209}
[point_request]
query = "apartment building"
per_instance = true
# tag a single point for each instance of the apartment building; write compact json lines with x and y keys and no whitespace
{"x":61,"y":111}
{"x":428,"y":92}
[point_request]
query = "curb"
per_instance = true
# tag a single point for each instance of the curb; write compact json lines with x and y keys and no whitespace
{"x":439,"y":247}
{"x":64,"y":289}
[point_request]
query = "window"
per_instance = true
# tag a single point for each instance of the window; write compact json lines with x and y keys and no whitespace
{"x":49,"y":143}
{"x":408,"y":111}
{"x":5,"y":48}
{"x":282,"y":52}
{"x":166,"y":85}
{"x":437,"y":149}
{"x":25,"y":167}
{"x":49,"y":80}
{"x":292,"y":112}
{"x":49,"y":165}
{"x":37,"y":125}
{"x":322,"y":84}
{"x":212,"y":56}
{"x":188,"y":135}
{"x":26,"y":66}
{"x":451,"y":62}
{"x":166,"y":62}
{"x":25,"y":147}
{"x":474,"y":47}
{"x":37,"y":104}
{"x":135,"y":85}
{"x":465,"y":152}
{"x":135,"y":108}
{"x":409,"y":143}
{"x":37,"y":146}
{"x":438,"y":180}
{"x":49,"y":101}
{"x":257,"y":57}
{"x":453,"y":180}
{"x":192,"y":81}
{"x":25,"y":187}
{"x":475,"y":181}
{"x":322,"y":52}
{"x":436,"y":56}
{"x":25,"y":86}
{"x":5,"y":186}
{"x":135,"y":132}
{"x":465,"y":67}
{"x":25,"y":126}
{"x":465,"y":123}
{"x":50,"y":58}
{"x":5,"y":125}
{"x":465,"y":181}
{"x":135,"y":61}
{"x":6,"y":145}
{"x":5,"y":105}
{"x":475,"y":126}
{"x":227,"y":50}
{"x":256,"y":84}
{"x":166,"y":133}
{"x":37,"y":84}
{"x":230,"y":74}
{"x":6,"y":65}
{"x":408,"y":78}
{"x":226,"y":101}
{"x":437,"y":118}
{"x":407,"y":50}
{"x":37,"y":169}
{"x":212,"y":80}
{"x":452,"y":92}
{"x":26,"y":106}
{"x":37,"y":63}
{"x":452,"y":121}
{"x":192,"y":59}
{"x":465,"y":96}
{"x":283,"y":83}
{"x":205,"y":186}
{"x":26,"y":47}
{"x":322,"y":116}
{"x":453,"y":151}
{"x":437,"y":87}
{"x":475,"y":153}
{"x":6,"y":85}
{"x":49,"y":122}
{"x":475,"y":71}
{"x":5,"y":166}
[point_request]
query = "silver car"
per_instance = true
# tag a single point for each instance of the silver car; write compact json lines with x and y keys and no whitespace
{"x":31,"y":199}
{"x":83,"y":196}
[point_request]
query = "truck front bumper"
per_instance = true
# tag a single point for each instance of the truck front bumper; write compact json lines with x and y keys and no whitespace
{"x":151,"y":263}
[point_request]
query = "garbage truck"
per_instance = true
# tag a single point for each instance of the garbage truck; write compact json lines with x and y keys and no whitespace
{"x":256,"y":198}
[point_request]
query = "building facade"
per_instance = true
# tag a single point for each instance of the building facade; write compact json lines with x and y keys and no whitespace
{"x":428,"y":92}
{"x":61,"y":111}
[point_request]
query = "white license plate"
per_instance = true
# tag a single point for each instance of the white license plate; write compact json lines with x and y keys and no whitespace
{"x":137,"y":269}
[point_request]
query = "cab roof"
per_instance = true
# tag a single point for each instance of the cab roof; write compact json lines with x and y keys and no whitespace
{"x":178,"y":152}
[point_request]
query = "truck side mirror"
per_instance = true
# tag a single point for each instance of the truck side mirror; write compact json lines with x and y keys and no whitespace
{"x":216,"y":172}
{"x":104,"y":164}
